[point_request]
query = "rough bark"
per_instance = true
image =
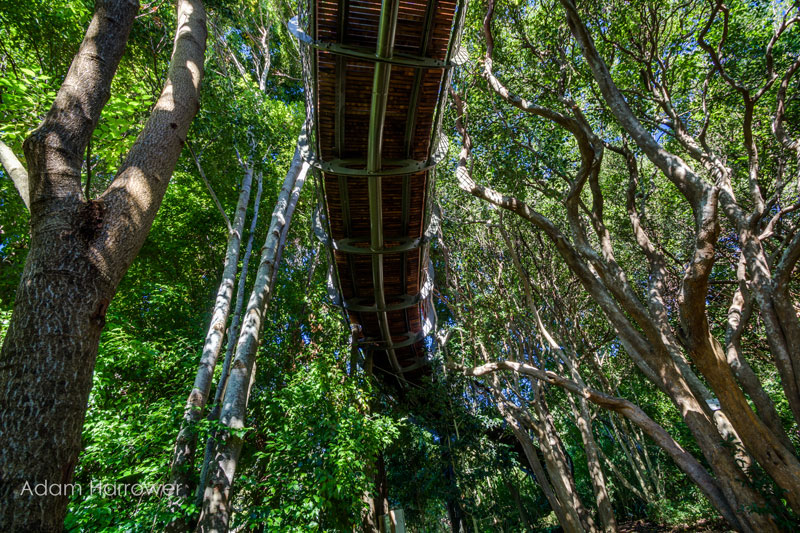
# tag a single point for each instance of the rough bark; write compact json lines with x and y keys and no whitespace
{"x":216,"y":511}
{"x":79,"y":252}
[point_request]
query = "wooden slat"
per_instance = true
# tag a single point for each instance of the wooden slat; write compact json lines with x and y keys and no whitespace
{"x":346,"y":196}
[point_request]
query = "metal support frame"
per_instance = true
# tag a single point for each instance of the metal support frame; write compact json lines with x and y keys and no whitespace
{"x":364,"y":305}
{"x":361,"y":53}
{"x":377,"y":117}
{"x":389,"y":167}
{"x":349,"y":245}
{"x":408,"y":143}
{"x":375,"y":167}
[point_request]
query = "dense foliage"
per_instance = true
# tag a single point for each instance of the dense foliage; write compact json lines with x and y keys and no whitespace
{"x":319,"y":431}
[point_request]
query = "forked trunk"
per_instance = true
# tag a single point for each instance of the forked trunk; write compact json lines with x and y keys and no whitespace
{"x":80,"y":249}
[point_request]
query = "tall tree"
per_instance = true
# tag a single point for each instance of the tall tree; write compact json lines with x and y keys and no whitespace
{"x":672,"y":335}
{"x":217,"y":500}
{"x":80,"y":249}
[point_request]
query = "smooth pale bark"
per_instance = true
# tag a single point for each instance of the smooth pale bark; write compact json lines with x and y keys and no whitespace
{"x":568,"y":521}
{"x":648,"y":341}
{"x":551,"y":483}
{"x":583,"y":420}
{"x":233,"y":335}
{"x":582,"y":417}
{"x":216,"y":511}
{"x":186,"y":442}
{"x":647,"y":353}
{"x":707,"y":353}
{"x":78,"y":254}
{"x":16,"y":172}
{"x":555,"y":460}
{"x":561,"y":476}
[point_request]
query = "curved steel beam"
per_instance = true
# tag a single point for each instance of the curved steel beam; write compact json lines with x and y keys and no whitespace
{"x":388,"y":167}
{"x":366,"y":54}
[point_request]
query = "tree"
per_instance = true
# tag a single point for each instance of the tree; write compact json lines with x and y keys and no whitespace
{"x":666,"y":318}
{"x":80,"y":249}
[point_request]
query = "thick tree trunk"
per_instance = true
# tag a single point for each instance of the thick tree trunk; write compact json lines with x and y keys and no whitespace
{"x":79,"y":252}
{"x":779,"y":462}
{"x":216,"y":511}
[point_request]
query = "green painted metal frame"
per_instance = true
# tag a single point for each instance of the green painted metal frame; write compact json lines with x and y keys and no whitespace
{"x":361,"y":53}
{"x":376,"y":167}
{"x":387,"y":27}
{"x":389,"y":167}
{"x":408,"y":142}
{"x":349,"y":245}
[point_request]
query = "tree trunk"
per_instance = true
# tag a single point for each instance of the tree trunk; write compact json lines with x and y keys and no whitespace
{"x":233,"y":336}
{"x":739,"y":499}
{"x":216,"y":511}
{"x":523,"y":514}
{"x":182,"y":470}
{"x":556,"y":463}
{"x":707,"y":353}
{"x":187,"y":438}
{"x":582,"y":418}
{"x":79,"y":252}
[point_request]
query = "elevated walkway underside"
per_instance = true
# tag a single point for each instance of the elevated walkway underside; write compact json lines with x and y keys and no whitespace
{"x":374,"y":77}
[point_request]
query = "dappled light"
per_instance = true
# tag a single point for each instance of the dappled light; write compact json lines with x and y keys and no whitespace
{"x":399,"y":265}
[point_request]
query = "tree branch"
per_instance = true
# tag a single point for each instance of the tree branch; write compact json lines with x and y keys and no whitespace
{"x":135,"y":195}
{"x":629,"y":410}
{"x":210,"y":190}
{"x":673,"y":167}
{"x":16,"y":171}
{"x":54,"y":151}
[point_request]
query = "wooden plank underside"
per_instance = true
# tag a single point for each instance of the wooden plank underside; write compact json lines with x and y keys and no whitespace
{"x":344,"y":96}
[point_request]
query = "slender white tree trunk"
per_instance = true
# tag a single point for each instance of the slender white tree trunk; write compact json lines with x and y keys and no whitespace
{"x":215,"y":514}
{"x":233,"y":335}
{"x":186,"y":443}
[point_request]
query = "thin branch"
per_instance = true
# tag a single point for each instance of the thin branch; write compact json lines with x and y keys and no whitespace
{"x":210,"y":190}
{"x":629,"y":410}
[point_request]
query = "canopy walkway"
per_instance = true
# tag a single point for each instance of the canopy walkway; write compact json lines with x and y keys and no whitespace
{"x":375,"y":81}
